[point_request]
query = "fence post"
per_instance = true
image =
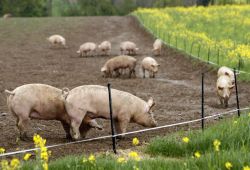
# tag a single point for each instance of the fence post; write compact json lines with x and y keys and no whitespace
{"x":218,"y":56}
{"x":199,"y":50}
{"x":202,"y":101}
{"x":236,"y":90}
{"x":111,"y":118}
{"x":208,"y":55}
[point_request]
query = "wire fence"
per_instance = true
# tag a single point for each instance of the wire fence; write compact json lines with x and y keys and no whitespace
{"x":127,"y":133}
{"x":211,"y":55}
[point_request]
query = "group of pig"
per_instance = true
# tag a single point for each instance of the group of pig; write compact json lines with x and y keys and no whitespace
{"x":78,"y":108}
{"x":119,"y":65}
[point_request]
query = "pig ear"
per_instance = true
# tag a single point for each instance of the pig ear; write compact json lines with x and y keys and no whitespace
{"x":103,"y":69}
{"x":220,"y":88}
{"x":151,"y":102}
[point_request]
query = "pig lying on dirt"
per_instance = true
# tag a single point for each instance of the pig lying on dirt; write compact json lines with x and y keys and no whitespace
{"x":92,"y":101}
{"x":87,"y":49}
{"x":57,"y":40}
{"x":224,"y":87}
{"x":40,"y":101}
{"x":157,"y":47}
{"x":118,"y":64}
{"x":105,"y":47}
{"x":226,"y":71}
{"x":128,"y":48}
{"x":149,"y":64}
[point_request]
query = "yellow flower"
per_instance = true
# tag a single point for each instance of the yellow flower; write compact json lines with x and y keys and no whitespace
{"x":249,"y":114}
{"x":92,"y":158}
{"x":45,"y":166}
{"x":121,"y":160}
{"x":27,"y":156}
{"x":235,"y":122}
{"x":134,"y":155}
{"x":228,"y":165}
{"x":185,"y":139}
{"x":2,"y":150}
{"x":246,"y":168}
{"x":14,"y":163}
{"x":217,"y":144}
{"x":135,"y":141}
{"x":44,"y":156}
{"x":4,"y":164}
{"x":197,"y":154}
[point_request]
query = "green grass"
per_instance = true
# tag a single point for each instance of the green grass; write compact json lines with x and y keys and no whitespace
{"x":171,"y":152}
{"x":219,"y":34}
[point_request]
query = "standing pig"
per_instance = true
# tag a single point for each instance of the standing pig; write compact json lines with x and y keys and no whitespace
{"x":105,"y":47}
{"x":157,"y":47}
{"x":149,"y":64}
{"x":128,"y":47}
{"x":118,"y":64}
{"x":87,"y":49}
{"x":224,"y":88}
{"x":92,"y":101}
{"x":57,"y":40}
{"x":226,"y":71}
{"x":40,"y":101}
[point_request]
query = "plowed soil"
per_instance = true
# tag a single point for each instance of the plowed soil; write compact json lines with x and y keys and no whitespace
{"x":25,"y":57}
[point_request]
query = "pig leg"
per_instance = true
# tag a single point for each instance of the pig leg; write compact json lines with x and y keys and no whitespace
{"x":143,"y":71}
{"x":66,"y":128}
{"x":21,"y":125}
{"x":226,"y":103}
{"x":121,"y":126}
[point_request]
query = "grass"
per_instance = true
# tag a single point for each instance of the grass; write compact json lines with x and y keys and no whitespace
{"x":171,"y":152}
{"x":218,"y":34}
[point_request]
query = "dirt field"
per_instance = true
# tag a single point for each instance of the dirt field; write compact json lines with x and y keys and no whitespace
{"x":25,"y":57}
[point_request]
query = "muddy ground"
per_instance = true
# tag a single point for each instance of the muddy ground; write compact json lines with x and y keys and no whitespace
{"x":25,"y":57}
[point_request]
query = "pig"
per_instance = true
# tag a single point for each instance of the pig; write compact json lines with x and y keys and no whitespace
{"x":118,"y":64}
{"x":149,"y":64}
{"x":157,"y":47}
{"x":224,"y":88}
{"x":40,"y":101}
{"x":226,"y":71}
{"x":57,"y":40}
{"x":92,"y":101}
{"x":87,"y":49}
{"x":105,"y":47}
{"x":128,"y":47}
{"x":6,"y":16}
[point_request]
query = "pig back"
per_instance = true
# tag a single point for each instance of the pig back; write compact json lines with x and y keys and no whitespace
{"x":41,"y":98}
{"x":94,"y":99}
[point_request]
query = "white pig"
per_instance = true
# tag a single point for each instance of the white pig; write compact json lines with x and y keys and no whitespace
{"x":87,"y":49}
{"x":128,"y":47}
{"x":105,"y":47}
{"x":40,"y":101}
{"x":149,"y":64}
{"x":224,"y":88}
{"x":157,"y":47}
{"x":226,"y":71}
{"x":92,"y":101}
{"x":57,"y":40}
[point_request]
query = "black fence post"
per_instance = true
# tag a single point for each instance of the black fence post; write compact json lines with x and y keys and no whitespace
{"x":202,"y":101}
{"x":208,"y":55}
{"x":236,"y":90}
{"x":111,"y":118}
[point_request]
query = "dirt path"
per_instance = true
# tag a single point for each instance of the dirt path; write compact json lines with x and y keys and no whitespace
{"x":26,"y":58}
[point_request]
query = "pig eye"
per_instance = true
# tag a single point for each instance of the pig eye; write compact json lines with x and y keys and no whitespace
{"x":220,"y":88}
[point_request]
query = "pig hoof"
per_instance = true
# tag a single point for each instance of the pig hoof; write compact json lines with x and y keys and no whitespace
{"x":68,"y":136}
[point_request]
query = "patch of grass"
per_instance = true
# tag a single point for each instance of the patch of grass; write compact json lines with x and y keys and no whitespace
{"x":233,"y":134}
